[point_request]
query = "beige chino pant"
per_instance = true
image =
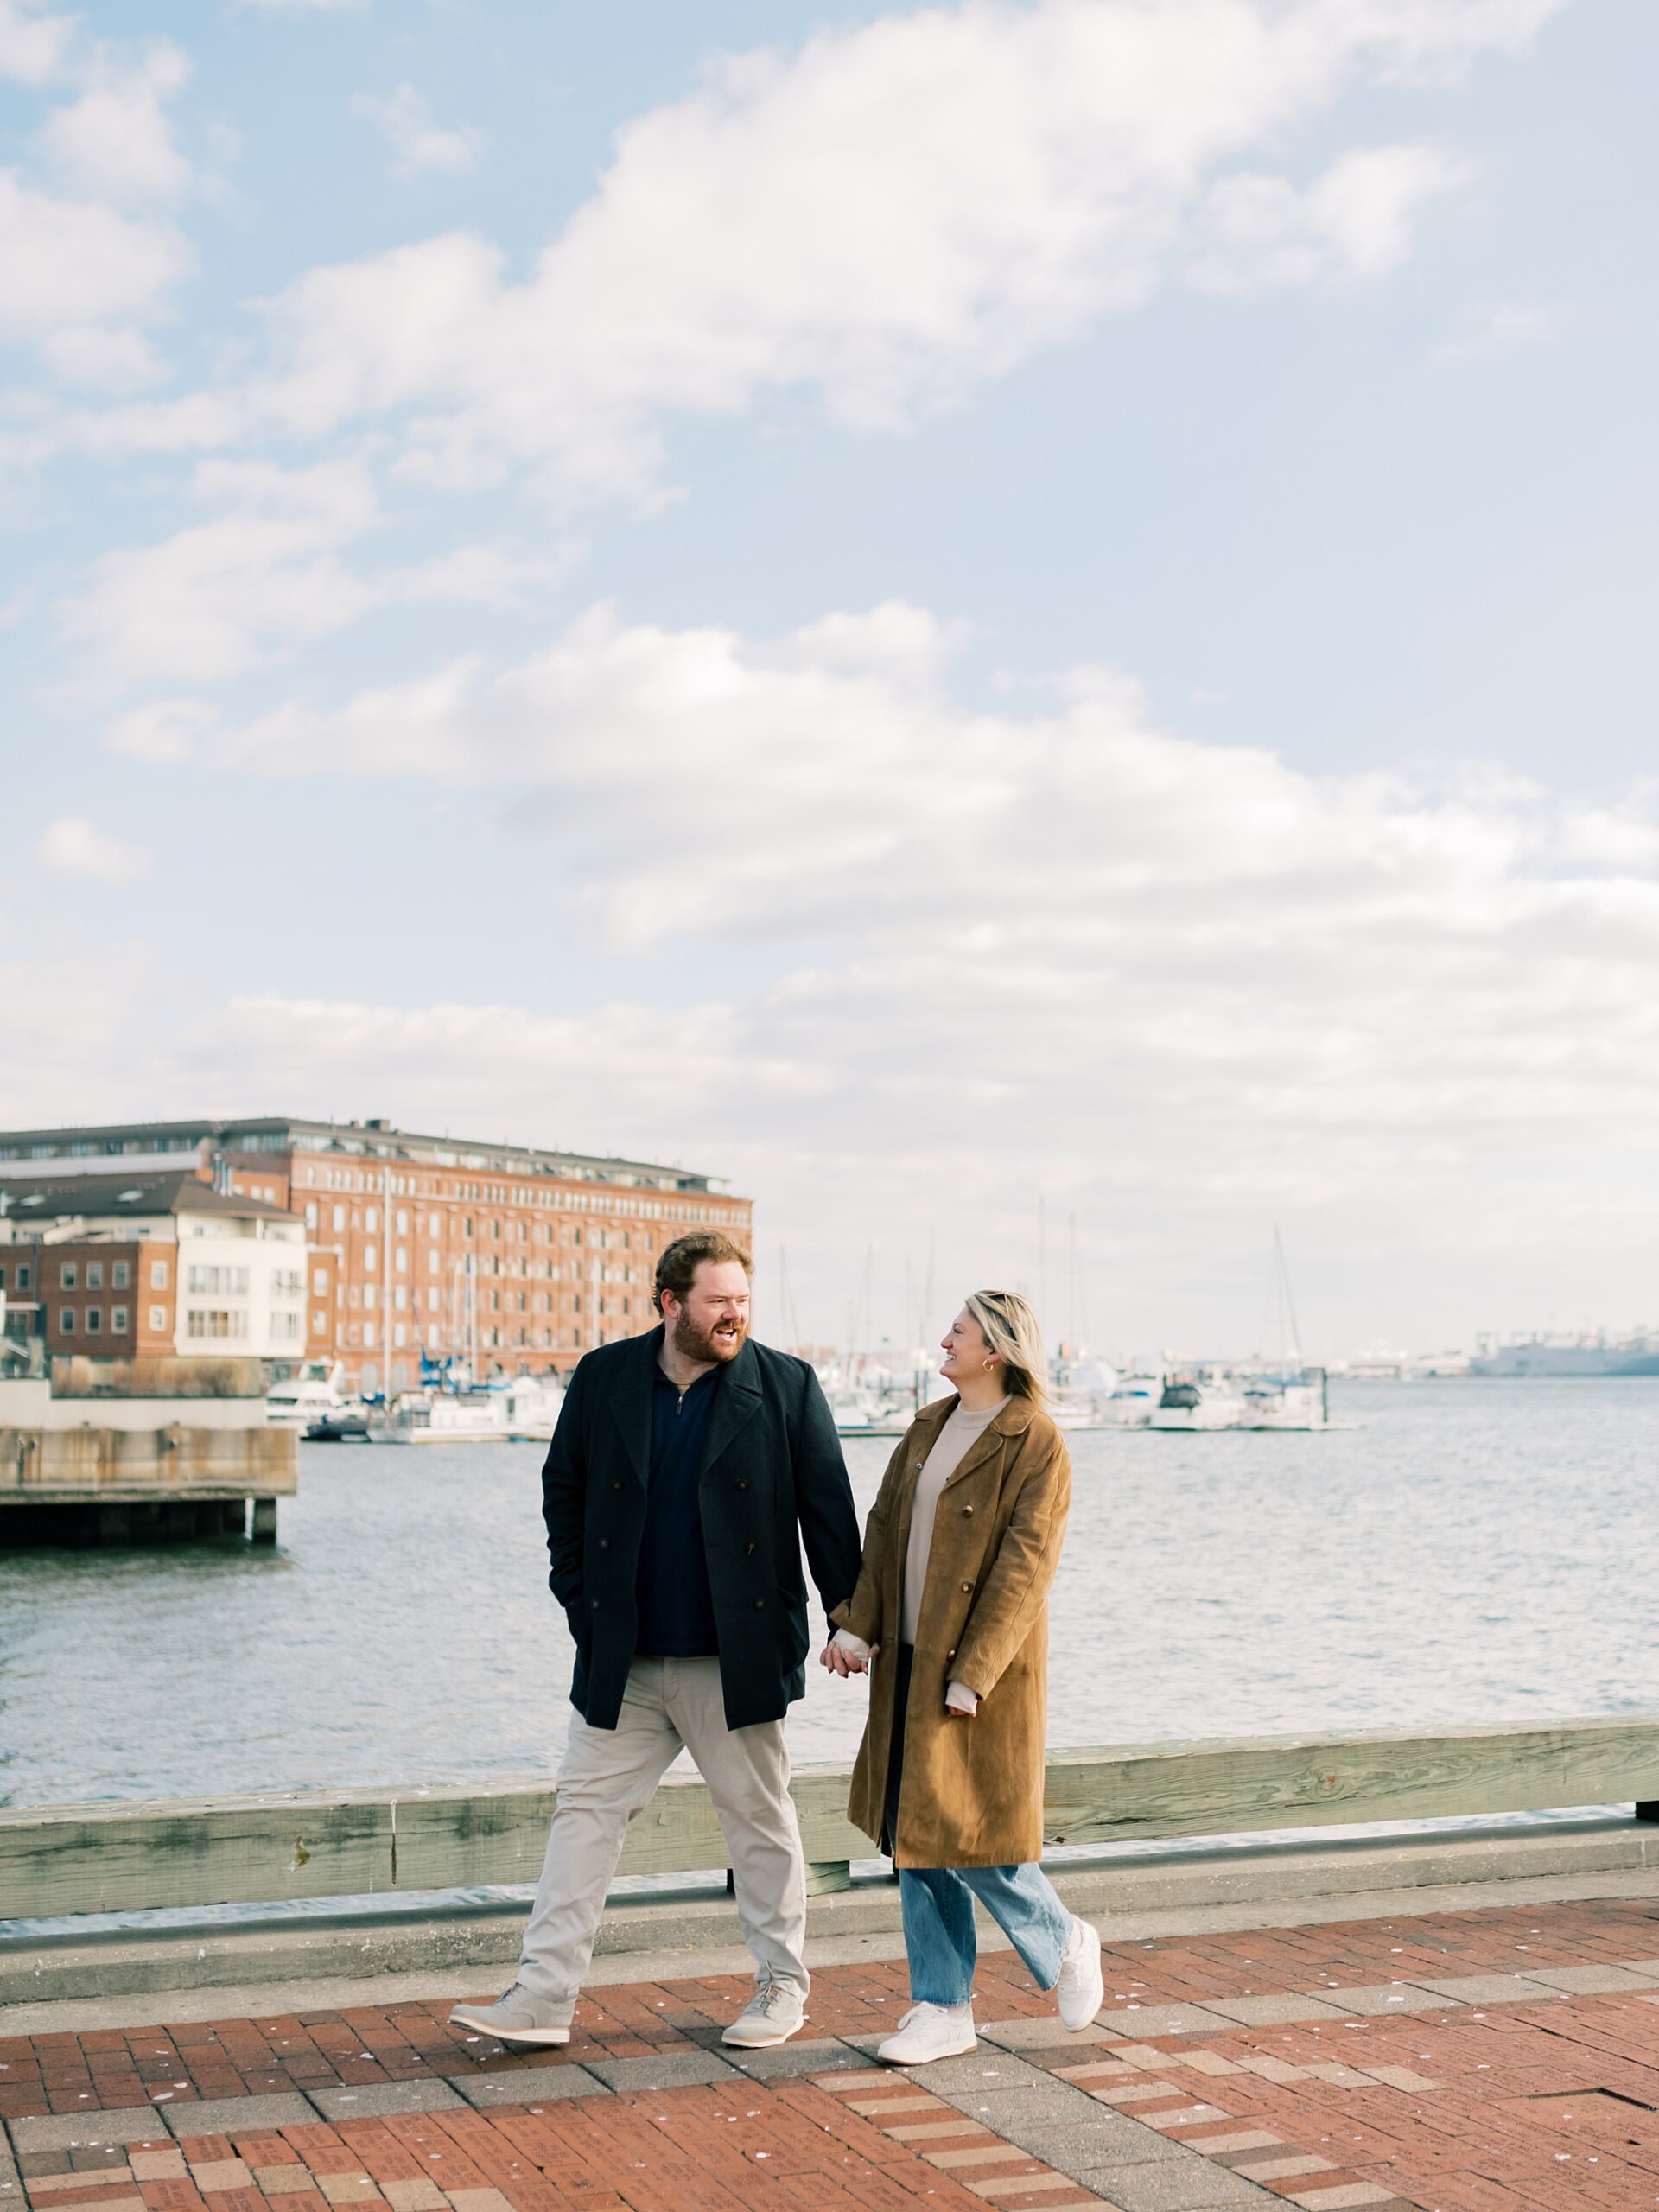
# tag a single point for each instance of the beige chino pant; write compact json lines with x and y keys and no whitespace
{"x":607,"y":1775}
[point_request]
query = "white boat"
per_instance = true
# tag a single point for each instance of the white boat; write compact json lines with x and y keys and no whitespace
{"x":445,"y":1417}
{"x":1188,"y":1404}
{"x":1286,"y":1402}
{"x":1068,"y":1410}
{"x":314,"y":1403}
{"x":858,"y":1411}
{"x":533,"y":1405}
{"x":1133,"y":1403}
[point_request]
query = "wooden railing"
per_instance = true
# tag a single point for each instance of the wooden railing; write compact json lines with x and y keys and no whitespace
{"x":124,"y":1857}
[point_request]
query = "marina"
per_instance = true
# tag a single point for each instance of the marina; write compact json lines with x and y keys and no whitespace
{"x":1411,"y":1569}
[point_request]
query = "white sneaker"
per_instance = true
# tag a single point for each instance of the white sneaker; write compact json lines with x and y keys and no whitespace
{"x":516,"y":2017}
{"x":931,"y":2032}
{"x":1081,"y":1990}
{"x":771,"y":2015}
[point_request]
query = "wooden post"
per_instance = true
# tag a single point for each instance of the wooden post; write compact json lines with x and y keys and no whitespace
{"x":1647,"y":1809}
{"x":265,"y":1520}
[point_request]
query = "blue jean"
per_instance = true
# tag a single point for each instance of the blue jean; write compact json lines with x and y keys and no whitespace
{"x":937,"y":1904}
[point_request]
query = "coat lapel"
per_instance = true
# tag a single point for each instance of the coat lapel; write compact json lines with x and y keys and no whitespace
{"x":631,"y":1402}
{"x":736,"y":1397}
{"x":1013,"y":1417}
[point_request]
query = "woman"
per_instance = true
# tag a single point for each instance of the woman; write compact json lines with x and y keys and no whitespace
{"x":959,"y":1551}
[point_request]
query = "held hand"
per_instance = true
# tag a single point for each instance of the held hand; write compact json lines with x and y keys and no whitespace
{"x":839,"y":1661}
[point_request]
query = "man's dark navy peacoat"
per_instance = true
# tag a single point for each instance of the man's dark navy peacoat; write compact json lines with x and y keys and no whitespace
{"x":772,"y":1478}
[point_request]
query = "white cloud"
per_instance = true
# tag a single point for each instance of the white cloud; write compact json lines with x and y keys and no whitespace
{"x":1499,"y":329}
{"x":116,"y":140}
{"x":266,"y":570}
{"x":403,"y":121}
{"x":161,"y":731}
{"x":72,"y":846}
{"x":202,"y":604}
{"x":33,"y":41}
{"x":1354,"y":221}
{"x":959,"y":956}
{"x":886,"y":216}
{"x":75,"y":273}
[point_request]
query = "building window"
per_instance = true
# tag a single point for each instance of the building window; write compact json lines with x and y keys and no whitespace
{"x":214,"y":1322}
{"x":120,"y":1275}
{"x":400,"y":1336}
{"x":368,"y":1293}
{"x":22,"y":1278}
{"x":118,"y":1320}
{"x":368,"y":1256}
{"x":431,"y":1302}
{"x":158,"y":1274}
{"x":371,"y":1217}
{"x":286,"y":1328}
{"x":67,"y":1321}
{"x":400,"y":1259}
{"x":94,"y":1321}
{"x":320,"y":1281}
{"x":319,"y":1324}
{"x":368,"y":1334}
{"x":228,"y":1282}
{"x":158,"y":1317}
{"x":399,"y":1296}
{"x":402,"y":1222}
{"x":340,"y":1216}
{"x":67,"y":1274}
{"x":94,"y":1274}
{"x":311,"y":1215}
{"x":432,"y":1263}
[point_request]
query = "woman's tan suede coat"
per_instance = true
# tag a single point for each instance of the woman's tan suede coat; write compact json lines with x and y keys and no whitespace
{"x":972,"y":1791}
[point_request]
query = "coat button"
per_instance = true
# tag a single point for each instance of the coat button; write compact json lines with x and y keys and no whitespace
{"x":604,"y":1543}
{"x":760,"y":1605}
{"x":594,"y":1604}
{"x":951,"y":1653}
{"x":616,"y":1485}
{"x":967,"y":1512}
{"x":751,"y":1547}
{"x":966,"y":1588}
{"x":742,"y":1486}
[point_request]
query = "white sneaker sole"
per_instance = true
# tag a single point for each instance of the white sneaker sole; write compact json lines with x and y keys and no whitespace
{"x":762,"y":2039}
{"x":889,"y":2055}
{"x":481,"y":2023}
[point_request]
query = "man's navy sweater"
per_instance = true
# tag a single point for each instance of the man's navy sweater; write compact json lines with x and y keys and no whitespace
{"x":677,"y":1610}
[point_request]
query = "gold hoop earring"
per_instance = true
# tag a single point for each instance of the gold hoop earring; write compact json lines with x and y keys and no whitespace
{"x":989,"y":1365}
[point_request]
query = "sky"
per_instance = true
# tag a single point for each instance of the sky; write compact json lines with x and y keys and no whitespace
{"x":1026,"y":629}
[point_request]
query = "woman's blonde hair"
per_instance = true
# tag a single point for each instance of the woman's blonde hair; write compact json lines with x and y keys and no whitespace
{"x":1009,"y":1327}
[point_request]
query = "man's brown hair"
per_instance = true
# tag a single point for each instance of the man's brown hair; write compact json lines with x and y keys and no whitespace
{"x":680,"y":1263}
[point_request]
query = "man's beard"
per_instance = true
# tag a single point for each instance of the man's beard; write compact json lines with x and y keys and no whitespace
{"x":720,"y":1343}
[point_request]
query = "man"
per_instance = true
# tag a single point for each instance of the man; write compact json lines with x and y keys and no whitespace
{"x":688,"y":1467}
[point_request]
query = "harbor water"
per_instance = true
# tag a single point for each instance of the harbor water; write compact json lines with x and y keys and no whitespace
{"x":1471,"y":1552}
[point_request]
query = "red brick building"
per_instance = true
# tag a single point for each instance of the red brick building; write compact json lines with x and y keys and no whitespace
{"x":514,"y":1259}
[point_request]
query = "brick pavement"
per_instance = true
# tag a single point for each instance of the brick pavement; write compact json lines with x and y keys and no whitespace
{"x":1496,"y":2061}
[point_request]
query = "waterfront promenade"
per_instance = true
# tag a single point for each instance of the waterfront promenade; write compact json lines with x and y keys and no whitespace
{"x":1496,"y":2060}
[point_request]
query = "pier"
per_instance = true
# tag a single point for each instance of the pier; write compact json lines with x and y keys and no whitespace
{"x":135,"y":1452}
